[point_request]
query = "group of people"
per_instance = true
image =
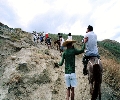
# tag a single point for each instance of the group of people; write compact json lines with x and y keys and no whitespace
{"x":90,"y":44}
{"x":42,"y":38}
{"x":38,"y":37}
{"x":89,"y":49}
{"x":60,"y":42}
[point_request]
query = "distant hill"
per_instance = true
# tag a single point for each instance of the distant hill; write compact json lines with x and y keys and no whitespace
{"x":112,"y":46}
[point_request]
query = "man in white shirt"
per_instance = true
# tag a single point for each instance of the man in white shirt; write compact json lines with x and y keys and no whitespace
{"x":90,"y":40}
{"x":37,"y":37}
{"x":34,"y":37}
{"x":69,"y":36}
{"x":61,"y":44}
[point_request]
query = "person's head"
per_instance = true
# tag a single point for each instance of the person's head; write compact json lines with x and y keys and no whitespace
{"x":58,"y":34}
{"x":69,"y":34}
{"x":68,"y":43}
{"x":90,"y":28}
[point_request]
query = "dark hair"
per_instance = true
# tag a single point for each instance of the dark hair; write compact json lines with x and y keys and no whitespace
{"x":90,"y":28}
{"x":69,"y":34}
{"x":58,"y":33}
{"x":60,"y":36}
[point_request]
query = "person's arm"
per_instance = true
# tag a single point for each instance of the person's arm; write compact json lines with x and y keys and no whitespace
{"x":80,"y":51}
{"x":85,"y":39}
{"x":62,"y":60}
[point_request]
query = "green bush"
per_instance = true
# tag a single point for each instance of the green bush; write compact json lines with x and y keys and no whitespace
{"x":112,"y":46}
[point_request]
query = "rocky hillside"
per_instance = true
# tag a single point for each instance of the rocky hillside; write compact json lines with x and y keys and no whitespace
{"x":27,"y":71}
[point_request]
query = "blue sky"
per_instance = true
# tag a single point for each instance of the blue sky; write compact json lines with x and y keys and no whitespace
{"x":54,"y":16}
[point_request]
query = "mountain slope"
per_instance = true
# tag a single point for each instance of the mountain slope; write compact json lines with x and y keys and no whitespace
{"x":27,"y":70}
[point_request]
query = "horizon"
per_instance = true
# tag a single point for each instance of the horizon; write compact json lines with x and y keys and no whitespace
{"x":60,"y":32}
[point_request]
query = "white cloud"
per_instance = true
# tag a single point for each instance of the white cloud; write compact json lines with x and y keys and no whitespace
{"x":118,"y":39}
{"x":80,"y":7}
{"x":72,"y":6}
{"x":66,"y":16}
{"x":106,"y":19}
{"x":28,"y":9}
{"x":75,"y":29}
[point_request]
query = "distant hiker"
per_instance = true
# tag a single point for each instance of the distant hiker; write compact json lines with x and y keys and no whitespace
{"x":69,"y":57}
{"x":59,"y":36}
{"x":57,"y":44}
{"x":41,"y":39}
{"x":37,"y":37}
{"x":61,"y":44}
{"x":48,"y":41}
{"x":90,"y":39}
{"x":69,"y":36}
{"x":43,"y":34}
{"x":46,"y":36}
{"x":34,"y":37}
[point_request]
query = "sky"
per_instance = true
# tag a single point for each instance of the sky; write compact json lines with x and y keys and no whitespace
{"x":63,"y":16}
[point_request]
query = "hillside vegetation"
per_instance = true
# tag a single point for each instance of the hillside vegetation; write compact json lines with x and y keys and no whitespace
{"x":110,"y":55}
{"x":112,"y":46}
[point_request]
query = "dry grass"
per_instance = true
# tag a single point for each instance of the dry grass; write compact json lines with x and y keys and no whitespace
{"x":14,"y":78}
{"x":37,"y":56}
{"x":112,"y":73}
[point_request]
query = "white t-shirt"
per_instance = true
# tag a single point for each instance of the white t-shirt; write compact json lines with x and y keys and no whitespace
{"x":34,"y":36}
{"x":61,"y":41}
{"x":91,"y":44}
{"x":70,"y":37}
{"x":43,"y":34}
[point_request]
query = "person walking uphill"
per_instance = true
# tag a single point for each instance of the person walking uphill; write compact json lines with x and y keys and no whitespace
{"x":61,"y":44}
{"x":69,"y":57}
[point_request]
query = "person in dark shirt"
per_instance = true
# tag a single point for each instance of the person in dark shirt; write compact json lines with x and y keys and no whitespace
{"x":41,"y":39}
{"x":69,"y":57}
{"x":48,"y":40}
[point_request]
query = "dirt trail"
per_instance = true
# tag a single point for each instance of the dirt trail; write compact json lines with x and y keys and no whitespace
{"x":40,"y":80}
{"x":82,"y":89}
